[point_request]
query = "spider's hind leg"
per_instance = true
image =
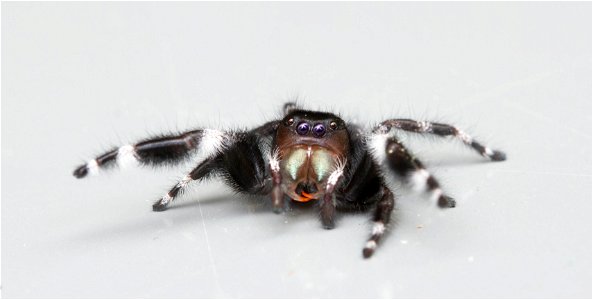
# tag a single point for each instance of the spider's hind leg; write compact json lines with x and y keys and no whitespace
{"x":389,"y":151}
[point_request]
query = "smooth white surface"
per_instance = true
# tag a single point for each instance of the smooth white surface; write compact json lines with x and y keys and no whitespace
{"x":79,"y":78}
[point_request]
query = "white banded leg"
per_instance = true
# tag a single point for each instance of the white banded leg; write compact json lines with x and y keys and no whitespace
{"x":162,"y":203}
{"x":440,"y":130}
{"x":381,"y":219}
{"x":391,"y":153}
{"x":156,"y":151}
{"x":203,"y":170}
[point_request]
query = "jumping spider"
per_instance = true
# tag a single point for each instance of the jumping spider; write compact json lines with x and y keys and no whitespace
{"x":307,"y":155}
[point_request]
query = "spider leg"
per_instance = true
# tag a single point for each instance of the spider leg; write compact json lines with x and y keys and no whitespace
{"x":157,"y":151}
{"x":266,"y":130}
{"x":440,"y":130}
{"x":239,"y":162}
{"x":381,"y":219}
{"x":389,"y":151}
{"x":203,"y":170}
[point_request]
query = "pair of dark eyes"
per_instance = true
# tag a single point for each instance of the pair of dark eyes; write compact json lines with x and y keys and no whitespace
{"x":318,"y":129}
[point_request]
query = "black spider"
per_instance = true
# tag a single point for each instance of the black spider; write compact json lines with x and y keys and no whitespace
{"x":307,"y":155}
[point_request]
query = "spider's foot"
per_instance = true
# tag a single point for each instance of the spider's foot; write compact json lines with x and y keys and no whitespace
{"x":369,"y":249}
{"x":159,"y":206}
{"x":446,"y":202}
{"x":81,"y":171}
{"x":498,"y":156}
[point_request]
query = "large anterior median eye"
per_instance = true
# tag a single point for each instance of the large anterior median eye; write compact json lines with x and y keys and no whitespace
{"x":303,"y":128}
{"x":319,"y":130}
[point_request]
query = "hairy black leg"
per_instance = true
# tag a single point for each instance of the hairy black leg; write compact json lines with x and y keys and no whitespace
{"x":242,"y":165}
{"x":239,"y":163}
{"x":440,"y":130}
{"x":392,"y":153}
{"x":266,"y":130}
{"x":406,"y":165}
{"x":203,"y":170}
{"x":381,"y":218}
{"x":156,"y":151}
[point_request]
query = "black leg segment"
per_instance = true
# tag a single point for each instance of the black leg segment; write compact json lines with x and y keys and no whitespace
{"x":239,"y":163}
{"x":381,"y":219}
{"x":202,"y":171}
{"x":167,"y":149}
{"x":440,"y":130}
{"x":404,"y":164}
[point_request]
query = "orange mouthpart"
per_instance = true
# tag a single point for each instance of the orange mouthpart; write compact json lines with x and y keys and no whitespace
{"x":305,"y":197}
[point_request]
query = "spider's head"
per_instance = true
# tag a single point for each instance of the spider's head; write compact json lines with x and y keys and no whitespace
{"x":311,"y":145}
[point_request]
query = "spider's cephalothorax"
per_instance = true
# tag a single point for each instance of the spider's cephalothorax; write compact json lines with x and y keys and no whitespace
{"x":305,"y":156}
{"x":310,"y":147}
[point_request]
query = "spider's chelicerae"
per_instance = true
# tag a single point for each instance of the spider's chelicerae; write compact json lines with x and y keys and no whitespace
{"x":305,"y":156}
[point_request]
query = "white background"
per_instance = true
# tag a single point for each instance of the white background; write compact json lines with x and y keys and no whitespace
{"x":79,"y":78}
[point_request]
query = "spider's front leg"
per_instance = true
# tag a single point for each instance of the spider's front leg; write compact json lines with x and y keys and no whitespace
{"x":440,"y":130}
{"x":381,"y":219}
{"x":163,"y":150}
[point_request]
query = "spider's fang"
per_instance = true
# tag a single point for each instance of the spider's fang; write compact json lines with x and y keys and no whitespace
{"x":305,"y":197}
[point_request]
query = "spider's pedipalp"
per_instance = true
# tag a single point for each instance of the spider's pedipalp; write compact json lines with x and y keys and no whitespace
{"x":328,"y":203}
{"x":440,"y":130}
{"x":277,"y":193}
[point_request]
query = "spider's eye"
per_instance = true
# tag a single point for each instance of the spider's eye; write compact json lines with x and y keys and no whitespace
{"x":319,"y":130}
{"x":303,"y":128}
{"x":333,"y":125}
{"x":289,"y":122}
